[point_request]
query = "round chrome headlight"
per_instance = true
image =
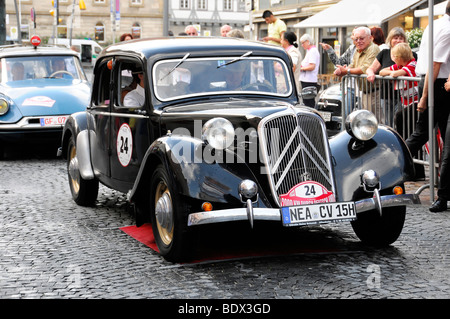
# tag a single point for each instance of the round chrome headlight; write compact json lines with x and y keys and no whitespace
{"x":362,"y":124}
{"x":4,"y":106}
{"x":219,"y":133}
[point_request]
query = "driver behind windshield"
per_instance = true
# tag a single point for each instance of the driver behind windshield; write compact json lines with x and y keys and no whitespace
{"x":234,"y":76}
{"x":59,"y":68}
{"x":18,"y":71}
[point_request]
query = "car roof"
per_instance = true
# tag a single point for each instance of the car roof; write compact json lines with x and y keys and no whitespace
{"x":197,"y":47}
{"x":28,"y":50}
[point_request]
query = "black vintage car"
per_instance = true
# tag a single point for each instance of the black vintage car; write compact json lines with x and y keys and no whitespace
{"x":216,"y":133}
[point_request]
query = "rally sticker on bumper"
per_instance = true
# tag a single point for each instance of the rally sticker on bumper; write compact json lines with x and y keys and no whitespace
{"x":309,"y":192}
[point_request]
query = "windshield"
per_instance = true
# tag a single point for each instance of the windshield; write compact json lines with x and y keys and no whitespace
{"x":174,"y":79}
{"x":39,"y":67}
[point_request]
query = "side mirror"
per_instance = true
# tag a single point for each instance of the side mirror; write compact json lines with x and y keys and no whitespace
{"x":309,"y":93}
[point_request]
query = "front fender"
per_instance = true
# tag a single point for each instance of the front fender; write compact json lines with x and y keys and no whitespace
{"x":386,"y":154}
{"x":196,"y":177}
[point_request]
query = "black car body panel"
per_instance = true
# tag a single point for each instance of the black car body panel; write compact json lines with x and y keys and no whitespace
{"x":167,"y":154}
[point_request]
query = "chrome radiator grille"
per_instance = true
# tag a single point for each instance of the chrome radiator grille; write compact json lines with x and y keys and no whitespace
{"x":295,"y":149}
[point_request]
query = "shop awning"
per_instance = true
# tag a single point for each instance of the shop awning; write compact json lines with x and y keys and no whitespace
{"x":439,"y":9}
{"x":358,"y":13}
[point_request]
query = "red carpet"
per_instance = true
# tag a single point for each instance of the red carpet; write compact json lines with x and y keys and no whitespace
{"x":246,"y":244}
{"x":143,"y":234}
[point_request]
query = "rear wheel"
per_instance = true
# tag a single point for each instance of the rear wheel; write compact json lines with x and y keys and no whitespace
{"x":169,"y":218}
{"x":84,"y":192}
{"x":376,"y":230}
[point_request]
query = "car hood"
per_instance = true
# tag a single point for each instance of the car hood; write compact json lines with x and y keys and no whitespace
{"x":46,"y":97}
{"x":241,"y":112}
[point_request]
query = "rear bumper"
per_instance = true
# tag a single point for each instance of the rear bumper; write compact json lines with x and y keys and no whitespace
{"x":274,"y":214}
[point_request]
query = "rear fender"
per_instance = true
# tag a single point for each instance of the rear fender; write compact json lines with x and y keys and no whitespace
{"x":76,"y":123}
{"x":76,"y":126}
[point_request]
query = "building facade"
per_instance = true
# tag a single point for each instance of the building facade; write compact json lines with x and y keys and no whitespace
{"x":105,"y":20}
{"x":208,"y":16}
{"x":102,"y":20}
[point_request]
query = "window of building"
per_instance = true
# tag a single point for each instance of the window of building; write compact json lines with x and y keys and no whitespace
{"x":99,"y":1}
{"x":184,"y":4}
{"x":62,"y":30}
{"x":202,"y":5}
{"x":99,"y":32}
{"x":227,"y":5}
{"x":241,"y":6}
{"x":25,"y":31}
{"x":136,"y":30}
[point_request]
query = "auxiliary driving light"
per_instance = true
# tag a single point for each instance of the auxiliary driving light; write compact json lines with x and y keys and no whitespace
{"x":248,"y":189}
{"x":370,"y":179}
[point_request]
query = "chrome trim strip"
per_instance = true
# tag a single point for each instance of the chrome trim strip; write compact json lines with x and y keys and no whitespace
{"x":274,"y":214}
{"x":137,"y":116}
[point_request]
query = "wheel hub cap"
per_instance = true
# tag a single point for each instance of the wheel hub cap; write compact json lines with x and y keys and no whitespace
{"x":164,"y":211}
{"x":74,"y":170}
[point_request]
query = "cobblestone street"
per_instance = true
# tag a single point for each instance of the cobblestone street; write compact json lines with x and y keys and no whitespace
{"x":52,"y":248}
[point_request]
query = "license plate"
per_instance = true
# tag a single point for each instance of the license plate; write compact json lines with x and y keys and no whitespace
{"x":318,"y":213}
{"x":325,"y":115}
{"x":53,"y":120}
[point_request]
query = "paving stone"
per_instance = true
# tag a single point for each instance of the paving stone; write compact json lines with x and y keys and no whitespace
{"x":52,"y":248}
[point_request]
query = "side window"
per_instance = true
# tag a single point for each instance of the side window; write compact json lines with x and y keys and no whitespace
{"x":101,"y":88}
{"x":130,"y":83}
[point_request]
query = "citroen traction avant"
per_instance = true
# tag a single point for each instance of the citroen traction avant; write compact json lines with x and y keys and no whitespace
{"x":220,"y":135}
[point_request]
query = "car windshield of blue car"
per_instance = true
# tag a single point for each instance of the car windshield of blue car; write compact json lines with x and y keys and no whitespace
{"x":40,"y":67}
{"x":173,"y":80}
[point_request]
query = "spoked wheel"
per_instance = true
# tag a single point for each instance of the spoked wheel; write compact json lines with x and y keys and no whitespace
{"x":84,"y":192}
{"x":168,"y":217}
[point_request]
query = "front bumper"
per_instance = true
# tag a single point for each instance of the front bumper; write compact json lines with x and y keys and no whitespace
{"x":274,"y":214}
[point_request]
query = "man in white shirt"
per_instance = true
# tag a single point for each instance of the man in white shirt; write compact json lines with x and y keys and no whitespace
{"x":309,"y":69}
{"x":136,"y":97}
{"x":441,"y":71}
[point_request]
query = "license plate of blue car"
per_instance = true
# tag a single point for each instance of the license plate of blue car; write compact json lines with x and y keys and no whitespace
{"x":53,"y":120}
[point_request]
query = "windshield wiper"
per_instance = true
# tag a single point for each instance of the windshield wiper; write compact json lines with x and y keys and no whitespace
{"x":176,"y":66}
{"x":237,"y":59}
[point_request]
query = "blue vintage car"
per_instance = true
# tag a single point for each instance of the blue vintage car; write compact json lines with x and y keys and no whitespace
{"x":39,"y":88}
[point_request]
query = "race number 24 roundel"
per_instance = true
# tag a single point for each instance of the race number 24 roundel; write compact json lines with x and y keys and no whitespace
{"x":124,"y":145}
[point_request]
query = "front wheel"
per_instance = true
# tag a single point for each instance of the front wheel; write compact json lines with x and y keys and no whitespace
{"x":376,"y":230}
{"x":168,"y":218}
{"x":84,"y":192}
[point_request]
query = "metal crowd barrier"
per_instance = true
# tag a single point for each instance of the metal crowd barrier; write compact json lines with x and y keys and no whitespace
{"x":394,"y":103}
